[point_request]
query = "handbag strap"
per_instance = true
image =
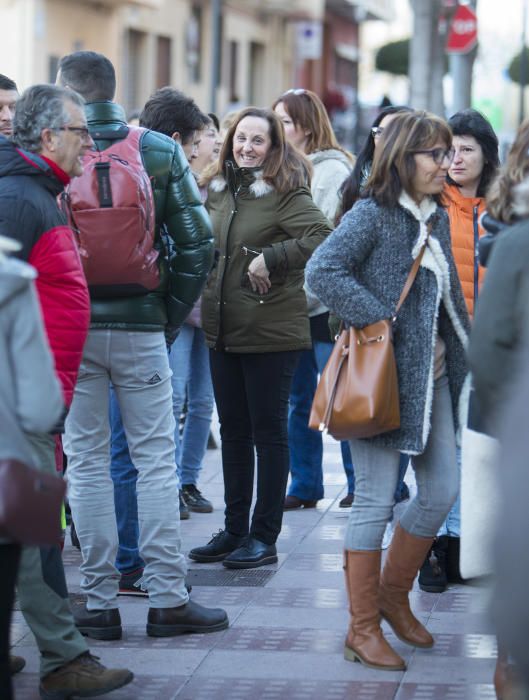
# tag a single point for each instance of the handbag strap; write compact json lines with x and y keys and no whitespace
{"x":412,"y":275}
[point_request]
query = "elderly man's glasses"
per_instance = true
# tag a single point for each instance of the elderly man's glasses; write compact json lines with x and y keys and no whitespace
{"x":439,"y":155}
{"x":81,"y":131}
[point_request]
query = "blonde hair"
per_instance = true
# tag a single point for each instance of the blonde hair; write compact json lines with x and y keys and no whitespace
{"x":501,"y":195}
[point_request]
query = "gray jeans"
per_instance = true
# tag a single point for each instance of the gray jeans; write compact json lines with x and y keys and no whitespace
{"x":136,"y":363}
{"x":376,"y":473}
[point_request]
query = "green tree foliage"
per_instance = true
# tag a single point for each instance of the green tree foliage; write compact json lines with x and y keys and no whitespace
{"x":514,"y":67}
{"x":394,"y":57}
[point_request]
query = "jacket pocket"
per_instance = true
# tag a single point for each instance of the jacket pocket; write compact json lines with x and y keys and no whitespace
{"x":277,"y":277}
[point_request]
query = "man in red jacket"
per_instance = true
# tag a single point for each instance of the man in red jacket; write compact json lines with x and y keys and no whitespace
{"x":51,"y":126}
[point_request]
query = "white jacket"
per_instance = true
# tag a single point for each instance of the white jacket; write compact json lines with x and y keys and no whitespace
{"x":331,"y":167}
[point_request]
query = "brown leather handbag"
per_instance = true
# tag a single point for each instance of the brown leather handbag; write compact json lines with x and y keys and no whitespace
{"x":358,"y":394}
{"x":30,"y":504}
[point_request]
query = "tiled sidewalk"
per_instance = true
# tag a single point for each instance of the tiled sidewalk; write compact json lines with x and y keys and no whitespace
{"x":288,"y":623}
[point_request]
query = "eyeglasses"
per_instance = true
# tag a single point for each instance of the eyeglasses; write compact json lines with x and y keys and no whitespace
{"x":377,"y":131}
{"x":81,"y":131}
{"x":439,"y":155}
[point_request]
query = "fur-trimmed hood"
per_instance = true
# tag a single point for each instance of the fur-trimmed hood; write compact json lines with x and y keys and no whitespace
{"x":520,"y":196}
{"x":252,"y":178}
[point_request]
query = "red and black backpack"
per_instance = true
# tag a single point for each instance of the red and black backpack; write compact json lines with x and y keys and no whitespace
{"x":111,"y":211}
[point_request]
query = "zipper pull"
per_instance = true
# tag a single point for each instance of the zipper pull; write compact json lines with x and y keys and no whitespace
{"x":250,"y":251}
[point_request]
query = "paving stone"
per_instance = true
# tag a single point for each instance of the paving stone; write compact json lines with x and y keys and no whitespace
{"x":288,"y":622}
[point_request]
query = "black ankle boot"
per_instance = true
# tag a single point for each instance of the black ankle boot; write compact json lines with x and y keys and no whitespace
{"x":453,"y":574}
{"x":432,"y":576}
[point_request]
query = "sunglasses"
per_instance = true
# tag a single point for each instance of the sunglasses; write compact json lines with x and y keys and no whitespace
{"x":439,"y":155}
{"x":377,"y":131}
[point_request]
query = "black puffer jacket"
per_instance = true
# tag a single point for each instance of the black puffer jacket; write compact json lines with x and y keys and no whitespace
{"x":179,"y":210}
{"x":492,"y":227}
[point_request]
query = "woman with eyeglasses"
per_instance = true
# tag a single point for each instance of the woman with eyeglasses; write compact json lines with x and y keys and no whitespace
{"x":254,"y":316}
{"x":472,"y":170}
{"x":308,"y":128}
{"x":359,"y":272}
{"x":350,"y":193}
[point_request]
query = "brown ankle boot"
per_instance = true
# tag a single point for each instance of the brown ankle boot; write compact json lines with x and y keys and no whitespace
{"x":405,"y":555}
{"x":505,"y":677}
{"x":365,"y":641}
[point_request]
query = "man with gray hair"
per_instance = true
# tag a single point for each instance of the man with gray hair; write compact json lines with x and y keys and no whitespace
{"x":49,"y":138}
{"x":127,"y":345}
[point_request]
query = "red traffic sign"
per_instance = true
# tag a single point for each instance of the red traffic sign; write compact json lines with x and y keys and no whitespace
{"x":463,"y":34}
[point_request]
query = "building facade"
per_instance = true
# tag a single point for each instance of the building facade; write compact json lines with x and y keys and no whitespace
{"x":224,"y":53}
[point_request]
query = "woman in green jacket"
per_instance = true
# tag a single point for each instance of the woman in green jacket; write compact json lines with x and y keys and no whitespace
{"x":254,"y":316}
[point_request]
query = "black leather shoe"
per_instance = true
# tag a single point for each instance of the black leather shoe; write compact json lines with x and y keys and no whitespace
{"x":191,"y":617}
{"x":219,"y":546}
{"x":251,"y":554}
{"x":183,"y":507}
{"x":432,"y":574}
{"x":16,"y":664}
{"x":98,"y":624}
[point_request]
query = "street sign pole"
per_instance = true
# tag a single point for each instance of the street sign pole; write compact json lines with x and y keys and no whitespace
{"x":216,"y":19}
{"x":523,"y":64}
{"x":462,"y":35}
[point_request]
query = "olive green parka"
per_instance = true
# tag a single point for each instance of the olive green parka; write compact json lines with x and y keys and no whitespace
{"x":249,"y":217}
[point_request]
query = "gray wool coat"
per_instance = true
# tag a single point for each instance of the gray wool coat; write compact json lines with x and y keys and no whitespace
{"x":30,"y":393}
{"x":359,"y":273}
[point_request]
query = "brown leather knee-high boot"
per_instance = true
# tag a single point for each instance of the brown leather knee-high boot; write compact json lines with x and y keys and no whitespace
{"x":405,"y":555}
{"x":365,"y":641}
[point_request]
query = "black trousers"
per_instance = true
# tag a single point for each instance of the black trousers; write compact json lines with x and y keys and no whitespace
{"x":251,"y":392}
{"x":9,"y":558}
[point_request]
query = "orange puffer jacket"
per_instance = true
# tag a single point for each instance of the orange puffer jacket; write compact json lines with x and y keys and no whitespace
{"x":464,"y":213}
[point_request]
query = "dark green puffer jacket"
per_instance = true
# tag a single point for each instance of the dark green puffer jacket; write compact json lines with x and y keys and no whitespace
{"x":179,"y":210}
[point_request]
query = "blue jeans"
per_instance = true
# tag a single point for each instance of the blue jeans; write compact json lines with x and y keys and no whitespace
{"x":124,"y":475}
{"x":189,"y":360}
{"x":452,"y":524}
{"x":377,"y":469}
{"x":306,"y":445}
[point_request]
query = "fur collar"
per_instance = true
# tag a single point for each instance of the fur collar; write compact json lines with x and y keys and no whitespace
{"x":259,"y":188}
{"x":421,"y":212}
{"x":521,"y":199}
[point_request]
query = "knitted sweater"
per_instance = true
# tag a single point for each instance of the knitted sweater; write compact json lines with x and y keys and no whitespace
{"x":359,"y":273}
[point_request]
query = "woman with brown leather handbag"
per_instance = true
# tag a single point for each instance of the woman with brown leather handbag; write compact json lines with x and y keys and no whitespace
{"x":359,"y":273}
